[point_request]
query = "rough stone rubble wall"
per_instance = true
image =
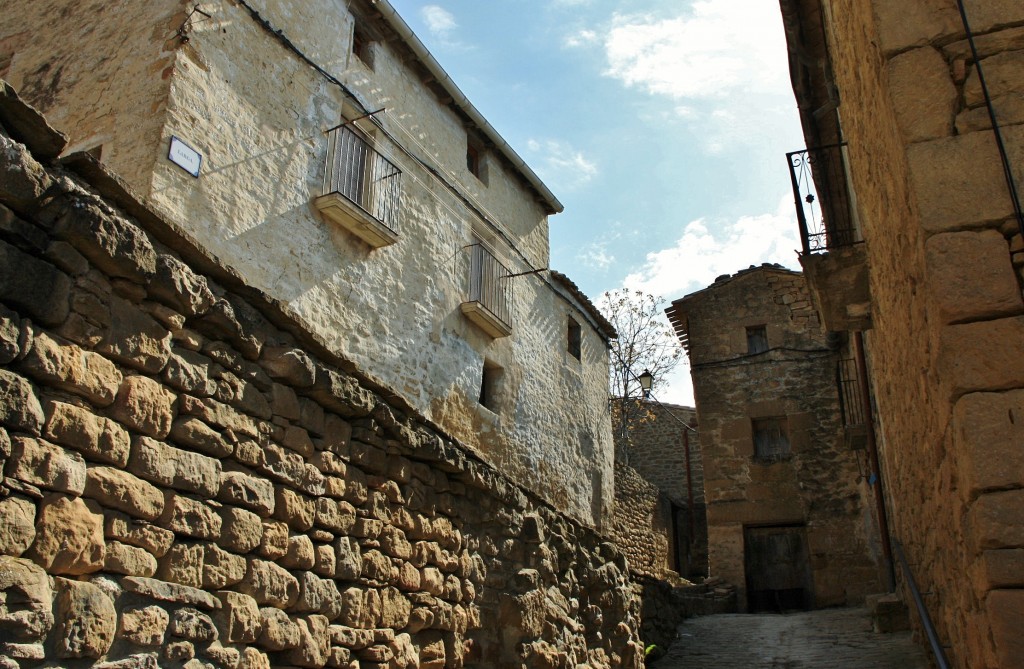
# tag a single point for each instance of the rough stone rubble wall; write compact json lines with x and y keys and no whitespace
{"x":641,"y":525}
{"x":189,"y":480}
{"x":657,"y":452}
{"x":946,"y":262}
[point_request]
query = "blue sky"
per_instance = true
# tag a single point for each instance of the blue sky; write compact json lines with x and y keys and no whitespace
{"x":661,"y":125}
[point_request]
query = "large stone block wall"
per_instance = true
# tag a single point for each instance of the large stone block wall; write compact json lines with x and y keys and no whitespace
{"x":945,"y":262}
{"x":820,"y":485}
{"x":258,"y":112}
{"x":191,"y":479}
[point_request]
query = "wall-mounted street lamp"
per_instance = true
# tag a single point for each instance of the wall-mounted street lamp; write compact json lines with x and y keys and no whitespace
{"x":646,"y":380}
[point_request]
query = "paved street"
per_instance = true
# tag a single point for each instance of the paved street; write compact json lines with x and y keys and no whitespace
{"x":833,"y":638}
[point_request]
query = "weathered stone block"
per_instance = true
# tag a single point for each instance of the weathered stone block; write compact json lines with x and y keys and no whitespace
{"x":294,"y":509}
{"x":154,"y":540}
{"x":278,"y":631}
{"x":110,"y":242}
{"x":122,"y":491}
{"x":220,"y":415}
{"x":145,"y":406}
{"x":253,"y":493}
{"x":314,"y":645}
{"x":130,"y":560}
{"x":86,"y":620}
{"x":17,"y":525}
{"x":221,"y":568}
{"x":33,"y":287}
{"x":144,"y":626}
{"x":325,"y":562}
{"x":973,"y":356}
{"x":196,"y":434}
{"x":970,"y":276}
{"x":318,"y":595}
{"x":134,"y":338}
{"x":170,"y":592}
{"x":959,"y":182}
{"x":335,"y":515}
{"x":239,"y":618}
{"x":923,"y":94}
{"x":291,"y":365}
{"x":69,"y":368}
{"x":283,"y":401}
{"x":986,"y":439}
{"x":189,"y":517}
{"x":1005,"y":608}
{"x":175,"y":468}
{"x":996,"y":520}
{"x":183,"y":564}
{"x":275,"y":540}
{"x":194,"y":625}
{"x":96,"y":437}
{"x":1001,"y":568}
{"x":177,"y":286}
{"x":300,"y":553}
{"x":269,"y":584}
{"x":23,"y":180}
{"x":69,"y":536}
{"x":190,"y":372}
{"x":26,"y":614}
{"x":241,"y":530}
{"x":46,"y":465}
{"x":10,"y":337}
{"x":19,"y":406}
{"x":349,"y":558}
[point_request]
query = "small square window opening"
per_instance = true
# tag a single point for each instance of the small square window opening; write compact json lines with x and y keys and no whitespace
{"x":757,"y":339}
{"x":771,"y":439}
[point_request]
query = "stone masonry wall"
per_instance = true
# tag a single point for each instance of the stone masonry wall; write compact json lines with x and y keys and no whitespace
{"x":657,"y":451}
{"x":945,"y":257}
{"x":191,"y":480}
{"x":641,"y":525}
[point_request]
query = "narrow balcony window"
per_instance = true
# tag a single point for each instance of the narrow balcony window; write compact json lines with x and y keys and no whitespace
{"x":362,"y":188}
{"x":757,"y":339}
{"x":488,"y":298}
{"x":771,"y":439}
{"x":574,"y":337}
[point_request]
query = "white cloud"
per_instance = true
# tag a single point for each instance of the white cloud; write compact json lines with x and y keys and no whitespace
{"x":581,"y":38}
{"x":440,"y":22}
{"x":706,"y":251}
{"x":723,"y":47}
{"x":561,"y":164}
{"x":596,"y":256}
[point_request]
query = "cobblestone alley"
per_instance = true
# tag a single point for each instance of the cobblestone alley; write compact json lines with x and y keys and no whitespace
{"x":836,"y":638}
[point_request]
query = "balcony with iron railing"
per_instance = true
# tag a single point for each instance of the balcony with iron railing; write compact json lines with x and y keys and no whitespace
{"x":487,"y":297}
{"x":833,"y":256}
{"x":362,"y":189}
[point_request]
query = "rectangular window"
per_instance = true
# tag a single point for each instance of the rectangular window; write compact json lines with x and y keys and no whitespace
{"x":490,"y":385}
{"x":362,"y":46}
{"x":771,"y":439}
{"x":476,"y":161}
{"x":574,"y":337}
{"x":757,"y":339}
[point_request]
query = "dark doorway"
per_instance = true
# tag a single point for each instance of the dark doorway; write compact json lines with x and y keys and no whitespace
{"x":778,"y":569}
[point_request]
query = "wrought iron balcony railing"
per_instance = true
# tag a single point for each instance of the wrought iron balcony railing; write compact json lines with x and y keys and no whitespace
{"x":850,"y":398}
{"x":366,"y":180}
{"x":488,"y":291}
{"x":822,"y":196}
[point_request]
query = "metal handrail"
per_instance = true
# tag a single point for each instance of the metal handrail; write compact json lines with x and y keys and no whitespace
{"x":362,"y":175}
{"x":489,"y":283}
{"x":922,"y":611}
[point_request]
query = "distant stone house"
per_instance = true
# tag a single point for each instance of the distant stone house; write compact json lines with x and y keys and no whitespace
{"x":785,"y":484}
{"x":321,"y":152}
{"x":909,"y":194}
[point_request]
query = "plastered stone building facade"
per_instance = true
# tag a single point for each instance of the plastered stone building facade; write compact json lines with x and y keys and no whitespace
{"x":928,"y":268}
{"x":343,"y":173}
{"x":787,"y":516}
{"x":191,"y":478}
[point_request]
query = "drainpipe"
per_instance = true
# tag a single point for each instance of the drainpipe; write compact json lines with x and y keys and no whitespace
{"x":876,"y":474}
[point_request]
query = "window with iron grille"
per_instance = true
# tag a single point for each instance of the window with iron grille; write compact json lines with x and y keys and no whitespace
{"x":771,"y":439}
